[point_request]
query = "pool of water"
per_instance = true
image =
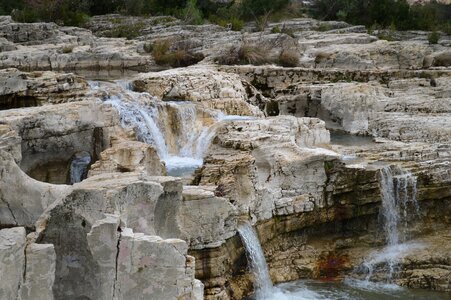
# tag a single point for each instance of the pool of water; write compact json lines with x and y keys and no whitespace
{"x":346,"y":139}
{"x":349,"y":290}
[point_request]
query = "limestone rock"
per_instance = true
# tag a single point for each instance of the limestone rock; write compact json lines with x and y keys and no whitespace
{"x":128,"y":156}
{"x":39,"y":272}
{"x":47,"y":46}
{"x":208,"y":221}
{"x":103,"y":242}
{"x":10,"y":142}
{"x":51,"y":135}
{"x":149,"y":266}
{"x":211,"y":88}
{"x":254,"y":163}
{"x":12,"y":260}
{"x":20,"y":89}
{"x":23,"y":199}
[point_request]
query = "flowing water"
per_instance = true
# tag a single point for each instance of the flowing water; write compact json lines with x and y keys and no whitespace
{"x":324,"y":290}
{"x":399,"y":206}
{"x":257,"y":263}
{"x":179,"y":130}
{"x":351,"y":289}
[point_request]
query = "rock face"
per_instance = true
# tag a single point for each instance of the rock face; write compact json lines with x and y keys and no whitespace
{"x":247,"y":157}
{"x":104,"y":252}
{"x":19,"y":89}
{"x":127,"y":156}
{"x":28,"y":270}
{"x":46,"y":46}
{"x":40,"y":272}
{"x":288,"y":161}
{"x":216,"y":90}
{"x":12,"y":261}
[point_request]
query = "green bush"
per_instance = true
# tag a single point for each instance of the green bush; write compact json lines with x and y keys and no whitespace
{"x":237,"y":24}
{"x":276,"y":29}
{"x":126,"y":31}
{"x":234,"y":23}
{"x":385,"y":13}
{"x":191,"y":14}
{"x":7,"y":6}
{"x":433,"y":37}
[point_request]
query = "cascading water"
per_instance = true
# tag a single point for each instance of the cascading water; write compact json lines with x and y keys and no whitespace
{"x":398,"y":193}
{"x":398,"y":197}
{"x":257,"y":262}
{"x":183,"y":153}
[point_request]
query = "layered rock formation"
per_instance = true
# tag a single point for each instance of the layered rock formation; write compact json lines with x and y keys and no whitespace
{"x":83,"y":165}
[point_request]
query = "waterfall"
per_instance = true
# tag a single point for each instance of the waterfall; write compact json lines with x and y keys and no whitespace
{"x":257,"y":262}
{"x":398,"y":192}
{"x":180,"y":144}
{"x":79,"y":167}
{"x":134,"y":114}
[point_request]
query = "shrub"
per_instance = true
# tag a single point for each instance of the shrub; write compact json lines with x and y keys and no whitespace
{"x":129,"y":32}
{"x":276,"y":29}
{"x":134,"y":7}
{"x":252,"y":54}
{"x":322,"y":56}
{"x":433,"y":37}
{"x":244,"y":54}
{"x":256,"y":8}
{"x":191,"y":14}
{"x":237,"y":24}
{"x":289,"y":58}
{"x":148,"y":47}
{"x":288,"y":31}
{"x":7,"y":6}
{"x":385,"y":12}
{"x":175,"y":58}
{"x":262,"y":21}
{"x":233,"y":23}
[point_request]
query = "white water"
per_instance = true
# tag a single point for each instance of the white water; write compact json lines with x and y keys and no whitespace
{"x":399,"y":205}
{"x":257,"y":263}
{"x":149,"y":119}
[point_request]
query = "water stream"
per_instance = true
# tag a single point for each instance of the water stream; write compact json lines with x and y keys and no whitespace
{"x":180,"y":132}
{"x":399,"y":206}
{"x":257,"y":263}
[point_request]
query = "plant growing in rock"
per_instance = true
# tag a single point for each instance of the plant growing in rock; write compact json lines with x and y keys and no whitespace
{"x":252,"y":54}
{"x":262,"y":21}
{"x":289,"y":58}
{"x":246,"y":53}
{"x":178,"y":57}
{"x":276,"y":29}
{"x":433,"y":37}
